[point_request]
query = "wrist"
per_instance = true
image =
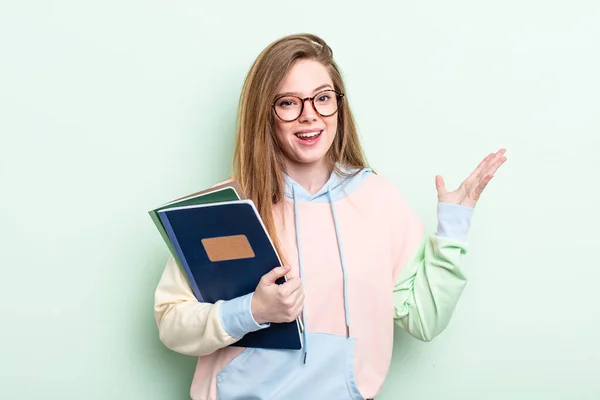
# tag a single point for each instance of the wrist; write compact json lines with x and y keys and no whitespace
{"x":255,"y":310}
{"x":236,"y":316}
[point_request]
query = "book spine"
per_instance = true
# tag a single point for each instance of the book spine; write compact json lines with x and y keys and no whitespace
{"x":161,"y":229}
{"x":167,"y":225}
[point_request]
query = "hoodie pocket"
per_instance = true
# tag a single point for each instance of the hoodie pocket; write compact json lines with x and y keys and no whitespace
{"x":281,"y":374}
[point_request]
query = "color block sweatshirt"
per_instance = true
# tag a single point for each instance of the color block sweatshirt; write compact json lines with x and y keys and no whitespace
{"x":365,"y":262}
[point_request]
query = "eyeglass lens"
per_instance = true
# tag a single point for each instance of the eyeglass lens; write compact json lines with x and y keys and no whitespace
{"x":289,"y":108}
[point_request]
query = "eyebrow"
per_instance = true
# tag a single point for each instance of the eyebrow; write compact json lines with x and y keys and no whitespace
{"x":300,"y":95}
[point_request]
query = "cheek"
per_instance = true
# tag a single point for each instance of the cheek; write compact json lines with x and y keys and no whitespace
{"x":282,"y":136}
{"x":280,"y":132}
{"x":332,"y":126}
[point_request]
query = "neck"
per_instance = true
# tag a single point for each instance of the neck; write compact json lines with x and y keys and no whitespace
{"x":311,"y":177}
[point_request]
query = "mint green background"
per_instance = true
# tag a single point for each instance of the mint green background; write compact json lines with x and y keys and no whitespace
{"x":108,"y":109}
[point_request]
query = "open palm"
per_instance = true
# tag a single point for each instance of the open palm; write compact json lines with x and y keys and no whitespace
{"x":469,"y":191}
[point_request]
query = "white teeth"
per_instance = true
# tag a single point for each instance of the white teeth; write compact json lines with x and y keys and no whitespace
{"x":308,"y":134}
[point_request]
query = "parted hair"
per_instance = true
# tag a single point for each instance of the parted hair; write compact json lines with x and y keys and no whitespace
{"x":258,"y":162}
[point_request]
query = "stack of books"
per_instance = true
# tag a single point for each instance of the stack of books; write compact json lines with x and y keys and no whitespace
{"x":220,"y":242}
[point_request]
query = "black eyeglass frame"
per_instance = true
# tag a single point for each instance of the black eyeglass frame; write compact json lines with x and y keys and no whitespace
{"x":340,"y":95}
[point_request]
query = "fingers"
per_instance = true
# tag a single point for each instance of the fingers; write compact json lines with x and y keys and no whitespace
{"x":487,"y":166}
{"x":290,"y":287}
{"x":497,"y":162}
{"x":270,"y":277}
{"x":292,"y":298}
{"x":488,"y":173}
{"x":293,"y":311}
{"x":298,"y":306}
{"x":440,"y":185}
{"x":483,"y":164}
{"x":494,"y":161}
{"x":479,"y":188}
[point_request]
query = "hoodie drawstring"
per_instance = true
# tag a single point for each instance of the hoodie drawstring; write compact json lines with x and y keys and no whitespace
{"x":341,"y":250}
{"x":300,"y":264}
{"x":299,"y":247}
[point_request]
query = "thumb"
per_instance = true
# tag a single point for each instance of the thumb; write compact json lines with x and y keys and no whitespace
{"x":440,"y":185}
{"x":270,"y":277}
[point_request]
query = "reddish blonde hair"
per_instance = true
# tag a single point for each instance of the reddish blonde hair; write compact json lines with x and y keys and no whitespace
{"x":258,"y":162}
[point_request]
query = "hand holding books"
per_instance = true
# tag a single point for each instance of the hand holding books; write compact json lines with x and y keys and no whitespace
{"x":274,"y":302}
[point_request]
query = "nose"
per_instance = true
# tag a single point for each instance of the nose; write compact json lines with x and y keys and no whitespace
{"x":308,"y":112}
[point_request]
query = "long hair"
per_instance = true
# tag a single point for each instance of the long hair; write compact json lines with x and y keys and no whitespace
{"x":258,"y":162}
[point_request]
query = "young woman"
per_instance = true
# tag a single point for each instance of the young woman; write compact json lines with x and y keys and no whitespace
{"x":356,"y":256}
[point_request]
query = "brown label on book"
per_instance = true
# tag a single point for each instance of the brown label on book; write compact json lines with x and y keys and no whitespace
{"x":227,"y":248}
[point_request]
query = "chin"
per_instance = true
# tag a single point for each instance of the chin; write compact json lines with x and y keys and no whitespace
{"x":310,"y":159}
{"x":313,"y":161}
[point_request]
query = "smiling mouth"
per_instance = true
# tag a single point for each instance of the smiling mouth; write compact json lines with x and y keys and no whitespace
{"x":308,"y":135}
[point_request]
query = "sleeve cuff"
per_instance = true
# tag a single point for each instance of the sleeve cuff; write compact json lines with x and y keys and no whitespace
{"x":454,"y":221}
{"x":236,"y":316}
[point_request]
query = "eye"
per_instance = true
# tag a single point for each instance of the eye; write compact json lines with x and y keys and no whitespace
{"x":286,"y":103}
{"x":323,"y":98}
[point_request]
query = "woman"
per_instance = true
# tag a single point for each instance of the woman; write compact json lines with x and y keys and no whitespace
{"x":357,"y":258}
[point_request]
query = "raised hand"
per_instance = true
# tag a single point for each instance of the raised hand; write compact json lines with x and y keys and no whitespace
{"x":273,"y":302}
{"x":469,"y":191}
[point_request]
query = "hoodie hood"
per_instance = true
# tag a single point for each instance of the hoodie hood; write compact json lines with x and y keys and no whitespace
{"x":336,"y":187}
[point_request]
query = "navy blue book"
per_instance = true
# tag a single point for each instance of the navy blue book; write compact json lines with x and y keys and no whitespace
{"x":225,"y":249}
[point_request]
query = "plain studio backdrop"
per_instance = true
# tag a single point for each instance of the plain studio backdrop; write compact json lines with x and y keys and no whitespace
{"x":108,"y":109}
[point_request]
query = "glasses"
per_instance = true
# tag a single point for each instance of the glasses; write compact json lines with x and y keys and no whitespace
{"x":325,"y":103}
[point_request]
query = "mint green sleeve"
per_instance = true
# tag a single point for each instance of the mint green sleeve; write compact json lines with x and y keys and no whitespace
{"x":430,"y":281}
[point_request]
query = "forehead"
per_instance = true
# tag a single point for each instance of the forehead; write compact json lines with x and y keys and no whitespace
{"x":304,"y":77}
